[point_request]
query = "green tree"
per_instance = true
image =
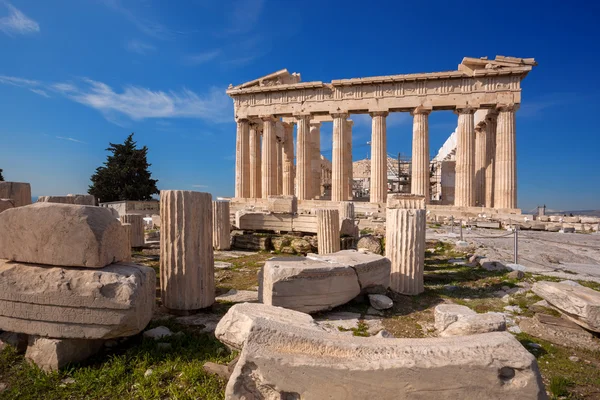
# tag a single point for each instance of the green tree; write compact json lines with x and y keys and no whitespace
{"x":1,"y":177}
{"x":124,"y":175}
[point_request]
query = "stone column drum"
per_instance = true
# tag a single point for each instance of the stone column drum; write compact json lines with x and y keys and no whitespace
{"x":405,"y":247}
{"x":288,"y":159}
{"x":328,"y":231}
{"x":348,"y":160}
{"x":303,"y":161}
{"x":255,"y":190}
{"x":346,"y":210}
{"x":420,"y":153}
{"x":279,"y":173}
{"x":464,"y":192}
{"x":490,"y":145}
{"x":221,"y":225}
{"x":127,"y":228}
{"x":242,"y":160}
{"x":480,"y":164}
{"x":137,"y":228}
{"x":378,"y":189}
{"x":338,"y":183}
{"x":186,"y":254}
{"x":505,"y":185}
{"x":315,"y":156}
{"x":269,"y":158}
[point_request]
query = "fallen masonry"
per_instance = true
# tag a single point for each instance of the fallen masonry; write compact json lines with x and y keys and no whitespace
{"x":457,"y":320}
{"x":288,"y":360}
{"x":321,"y":282}
{"x":18,"y":192}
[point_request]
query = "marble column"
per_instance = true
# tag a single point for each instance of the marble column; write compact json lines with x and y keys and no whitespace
{"x":137,"y":228}
{"x":420,"y":153}
{"x":315,"y":137}
{"x":490,"y":145}
{"x":338,"y":184}
{"x":303,"y":158}
{"x":328,"y":231}
{"x":269,"y":158}
{"x":242,"y":159}
{"x":255,"y":190}
{"x":221,"y":225}
{"x":480,"y":164}
{"x":464,"y":191}
{"x":348,"y":160}
{"x":187,"y":276}
{"x":279,"y":172}
{"x":378,"y":185}
{"x":505,"y":185}
{"x":288,"y":159}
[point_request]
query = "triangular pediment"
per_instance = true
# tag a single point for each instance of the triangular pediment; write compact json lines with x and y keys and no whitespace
{"x":281,"y":77}
{"x":471,"y":64}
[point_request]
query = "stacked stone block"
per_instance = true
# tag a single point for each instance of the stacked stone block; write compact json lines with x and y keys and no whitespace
{"x":137,"y":228}
{"x":328,"y":231}
{"x":221,"y":225}
{"x":66,"y":282}
{"x":18,"y":192}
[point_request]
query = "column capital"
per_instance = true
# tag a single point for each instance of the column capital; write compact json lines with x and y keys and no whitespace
{"x":465,"y":110}
{"x":340,"y":114}
{"x":349,"y":122}
{"x":480,"y":128}
{"x":268,"y":118}
{"x":507,"y":107}
{"x":421,"y":110}
{"x":242,"y":120}
{"x":302,"y":116}
{"x":378,"y":114}
{"x":491,"y":116}
{"x":316,"y":124}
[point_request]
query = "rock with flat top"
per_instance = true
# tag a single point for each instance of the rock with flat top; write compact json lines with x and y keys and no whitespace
{"x":70,"y":303}
{"x":380,"y":302}
{"x":285,"y":361}
{"x":18,"y":192}
{"x":54,"y":354}
{"x":63,"y":235}
{"x":370,"y":243}
{"x":559,"y":331}
{"x":158,"y":333}
{"x":457,"y":320}
{"x":578,"y":303}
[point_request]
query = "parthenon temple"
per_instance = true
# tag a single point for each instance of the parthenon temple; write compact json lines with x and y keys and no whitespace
{"x":484,"y":94}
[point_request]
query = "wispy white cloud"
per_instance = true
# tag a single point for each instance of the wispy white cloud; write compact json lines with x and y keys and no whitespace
{"x":139,"y":47}
{"x":40,"y":92}
{"x":137,"y":103}
{"x":70,"y":139}
{"x":201,"y":58}
{"x":17,"y":23}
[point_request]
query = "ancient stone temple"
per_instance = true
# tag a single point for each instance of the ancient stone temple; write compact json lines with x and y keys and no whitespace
{"x":268,"y":108}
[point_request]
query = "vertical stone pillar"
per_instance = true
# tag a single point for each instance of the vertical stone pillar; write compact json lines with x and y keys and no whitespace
{"x":347,"y":226}
{"x":464,"y":192}
{"x":242,"y":159}
{"x":315,"y":136}
{"x":505,"y":185}
{"x":186,"y":254}
{"x":348,"y":160}
{"x":328,"y":231}
{"x":480,"y":164}
{"x":405,"y":247}
{"x":279,"y":172}
{"x":378,"y":187}
{"x":127,"y":228}
{"x":490,"y":145}
{"x":221,"y":225}
{"x":137,"y":228}
{"x":18,"y":192}
{"x":346,"y":209}
{"x":255,"y":190}
{"x":269,"y":158}
{"x":303,"y":160}
{"x":420,"y":153}
{"x":288,"y":159}
{"x":339,"y":190}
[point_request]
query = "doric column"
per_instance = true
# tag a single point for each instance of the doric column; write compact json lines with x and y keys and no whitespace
{"x":279,"y":173}
{"x":505,"y":185}
{"x":137,"y":228}
{"x":420,"y":153}
{"x":348,"y":159}
{"x":255,"y":190}
{"x":269,"y":158}
{"x":338,"y":184}
{"x":328,"y":231}
{"x":288,"y":159}
{"x":480,"y":164}
{"x":221,"y":225}
{"x":303,"y":158}
{"x":242,"y":159}
{"x":378,"y":188}
{"x":490,"y":145}
{"x":464,"y":192}
{"x":315,"y":136}
{"x":187,"y":276}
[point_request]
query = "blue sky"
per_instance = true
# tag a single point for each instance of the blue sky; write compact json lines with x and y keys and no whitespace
{"x":77,"y":74}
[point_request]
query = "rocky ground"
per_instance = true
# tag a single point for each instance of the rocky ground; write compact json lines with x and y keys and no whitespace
{"x":171,"y":366}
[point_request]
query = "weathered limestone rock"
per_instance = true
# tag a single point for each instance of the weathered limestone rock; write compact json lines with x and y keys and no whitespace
{"x":252,"y":242}
{"x":53,"y":354}
{"x":559,"y":331}
{"x":321,"y":282}
{"x":301,"y":246}
{"x":186,"y":255}
{"x":283,"y":361}
{"x":405,"y":247}
{"x":578,"y":303}
{"x":137,"y":228}
{"x":457,"y":320}
{"x":19,"y":193}
{"x":380,"y":302}
{"x":111,"y":302}
{"x":347,"y":225}
{"x":62,"y":234}
{"x":221,"y":225}
{"x":370,"y":243}
{"x":80,"y":199}
{"x":328,"y":231}
{"x":5,"y":204}
{"x":282,"y":204}
{"x":233,"y":329}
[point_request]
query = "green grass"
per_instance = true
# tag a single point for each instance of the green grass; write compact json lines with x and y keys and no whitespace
{"x":360,"y":330}
{"x":119,"y":372}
